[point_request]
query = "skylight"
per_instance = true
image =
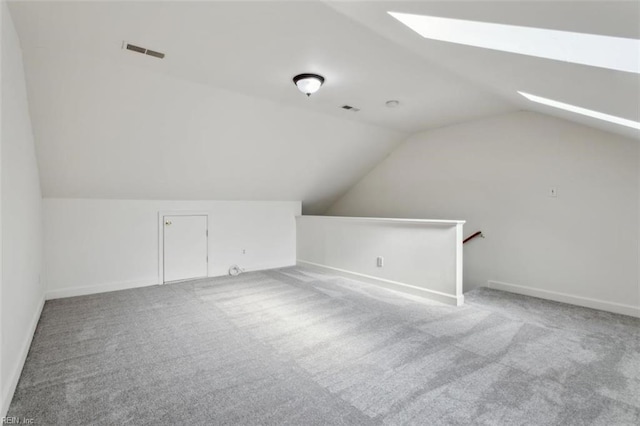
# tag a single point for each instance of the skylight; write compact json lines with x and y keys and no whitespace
{"x":583,"y":111}
{"x":616,"y":53}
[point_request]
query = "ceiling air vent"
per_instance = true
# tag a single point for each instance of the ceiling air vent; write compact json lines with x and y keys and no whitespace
{"x":155,"y":54}
{"x":143,"y":50}
{"x":350,"y":108}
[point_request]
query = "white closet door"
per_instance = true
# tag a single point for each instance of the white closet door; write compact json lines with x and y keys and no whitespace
{"x":185,"y":247}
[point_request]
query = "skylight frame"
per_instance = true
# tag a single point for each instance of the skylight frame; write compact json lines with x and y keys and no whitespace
{"x":616,"y":53}
{"x":582,"y":111}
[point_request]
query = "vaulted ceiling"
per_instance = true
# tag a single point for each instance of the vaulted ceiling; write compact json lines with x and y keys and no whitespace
{"x":219,"y":118}
{"x":504,"y":74}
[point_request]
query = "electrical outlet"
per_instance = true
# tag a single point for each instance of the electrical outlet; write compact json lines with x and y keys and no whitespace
{"x":244,"y":251}
{"x":380,"y":261}
{"x":553,"y":192}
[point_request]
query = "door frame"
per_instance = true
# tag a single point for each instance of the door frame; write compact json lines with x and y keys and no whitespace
{"x":161,"y":215}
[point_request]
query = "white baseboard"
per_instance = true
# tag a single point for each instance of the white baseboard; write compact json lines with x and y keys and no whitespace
{"x":268,"y":266}
{"x":617,"y":308}
{"x":448,"y":299}
{"x":94,"y":289}
{"x":125,"y":285}
{"x":12,"y":381}
{"x":262,"y":267}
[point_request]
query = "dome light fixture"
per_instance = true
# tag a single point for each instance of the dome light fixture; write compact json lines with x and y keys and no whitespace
{"x":308,"y":83}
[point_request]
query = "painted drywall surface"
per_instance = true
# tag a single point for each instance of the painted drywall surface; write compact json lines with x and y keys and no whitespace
{"x":496,"y":173}
{"x":140,"y":134}
{"x":22,"y":290}
{"x":418,"y":254}
{"x":214,"y":43}
{"x":3,"y":10}
{"x":100,"y":245}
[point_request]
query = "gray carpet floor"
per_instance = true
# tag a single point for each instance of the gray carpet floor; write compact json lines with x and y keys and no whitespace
{"x":294,"y":346}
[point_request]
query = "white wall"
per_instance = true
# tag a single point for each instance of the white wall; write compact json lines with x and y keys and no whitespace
{"x":420,"y":257}
{"x":496,"y":173}
{"x":22,"y":291}
{"x":3,"y":26}
{"x":103,"y":245}
{"x":142,"y":134}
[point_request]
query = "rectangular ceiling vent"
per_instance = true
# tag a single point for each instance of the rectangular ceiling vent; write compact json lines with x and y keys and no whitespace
{"x":142,"y":50}
{"x":350,"y":108}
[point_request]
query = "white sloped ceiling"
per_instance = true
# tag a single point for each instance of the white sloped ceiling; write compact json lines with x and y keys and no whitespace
{"x":219,"y":118}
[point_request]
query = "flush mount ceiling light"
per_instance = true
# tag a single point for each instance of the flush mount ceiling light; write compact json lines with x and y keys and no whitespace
{"x":308,"y":83}
{"x":392,"y":103}
{"x":583,"y":111}
{"x":616,"y":53}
